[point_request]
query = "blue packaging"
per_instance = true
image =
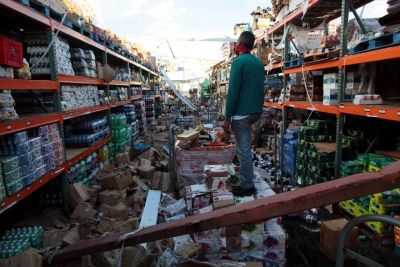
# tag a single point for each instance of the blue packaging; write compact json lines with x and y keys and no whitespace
{"x":43,"y":130}
{"x":27,"y":169}
{"x":20,"y":137}
{"x":23,"y":148}
{"x":28,"y":179}
{"x":50,"y":166}
{"x":47,"y":148}
{"x":37,"y":152}
{"x":26,"y":158}
{"x":12,"y":176}
{"x":9,"y":164}
{"x":49,"y":158}
{"x":53,"y":127}
{"x":35,"y":142}
{"x":40,"y":171}
{"x":38,"y":162}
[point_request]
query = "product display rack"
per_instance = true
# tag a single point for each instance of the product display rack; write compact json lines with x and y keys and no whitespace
{"x":336,"y":9}
{"x":25,"y":122}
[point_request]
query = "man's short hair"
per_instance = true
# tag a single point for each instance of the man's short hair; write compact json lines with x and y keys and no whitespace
{"x":247,"y":39}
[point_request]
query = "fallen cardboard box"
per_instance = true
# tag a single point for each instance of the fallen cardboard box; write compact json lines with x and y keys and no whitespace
{"x":28,"y":258}
{"x":146,"y":171}
{"x":84,"y":211}
{"x":156,"y":181}
{"x":111,"y":197}
{"x":122,"y":159}
{"x":76,"y":194}
{"x":117,"y":179}
{"x":120,"y":211}
{"x":329,"y":237}
{"x":72,"y":236}
{"x":188,"y":136}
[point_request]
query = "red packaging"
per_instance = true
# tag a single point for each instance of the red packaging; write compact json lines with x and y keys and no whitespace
{"x":11,"y":53}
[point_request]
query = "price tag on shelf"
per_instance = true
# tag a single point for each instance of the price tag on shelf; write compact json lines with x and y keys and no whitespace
{"x":382,"y":111}
{"x":9,"y":127}
{"x":398,"y":113}
{"x":367,"y":110}
{"x":28,"y":123}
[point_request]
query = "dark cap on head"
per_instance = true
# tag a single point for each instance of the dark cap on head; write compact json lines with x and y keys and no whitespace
{"x":247,"y":39}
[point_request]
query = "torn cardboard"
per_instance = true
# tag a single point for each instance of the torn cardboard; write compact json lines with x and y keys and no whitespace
{"x":146,"y":171}
{"x":117,"y":179}
{"x":111,"y":197}
{"x":120,"y":211}
{"x":84,"y":211}
{"x":76,"y":194}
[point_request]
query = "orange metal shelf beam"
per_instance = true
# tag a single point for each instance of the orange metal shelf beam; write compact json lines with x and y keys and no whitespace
{"x":317,"y":106}
{"x":272,"y":105}
{"x":28,"y":122}
{"x":86,"y":153}
{"x":26,"y":11}
{"x":120,"y":103}
{"x":119,"y":83}
{"x":11,"y":201}
{"x":80,"y":80}
{"x":83,"y":111}
{"x":313,"y":67}
{"x":15,"y":84}
{"x":385,"y":112}
{"x":371,"y":56}
{"x":136,"y":83}
{"x":135,"y":97}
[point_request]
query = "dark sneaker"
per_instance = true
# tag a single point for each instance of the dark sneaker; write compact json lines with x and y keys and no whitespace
{"x":242,"y":192}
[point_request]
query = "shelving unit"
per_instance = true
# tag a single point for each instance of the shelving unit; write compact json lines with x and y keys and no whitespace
{"x":72,"y":156}
{"x":334,"y":9}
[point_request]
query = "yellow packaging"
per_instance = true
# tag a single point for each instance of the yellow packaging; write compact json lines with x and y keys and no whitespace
{"x":376,"y":198}
{"x":377,"y":227}
{"x":373,"y":168}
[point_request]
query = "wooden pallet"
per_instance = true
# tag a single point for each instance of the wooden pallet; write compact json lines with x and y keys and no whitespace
{"x":383,"y":41}
{"x":321,"y":57}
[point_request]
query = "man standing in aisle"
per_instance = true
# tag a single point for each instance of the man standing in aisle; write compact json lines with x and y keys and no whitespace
{"x":244,"y":107}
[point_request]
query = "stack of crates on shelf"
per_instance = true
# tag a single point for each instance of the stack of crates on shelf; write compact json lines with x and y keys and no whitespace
{"x":315,"y":153}
{"x":129,"y":111}
{"x":118,"y":94}
{"x":140,"y":110}
{"x":150,"y":108}
{"x":79,"y":96}
{"x":385,"y":203}
{"x":7,"y":107}
{"x":84,"y":132}
{"x":135,"y":90}
{"x":290,"y":152}
{"x":24,"y":160}
{"x":273,"y":87}
{"x":18,"y":240}
{"x":37,"y":46}
{"x":52,"y":147}
{"x":121,"y":133}
{"x":84,"y":62}
{"x":11,"y":57}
